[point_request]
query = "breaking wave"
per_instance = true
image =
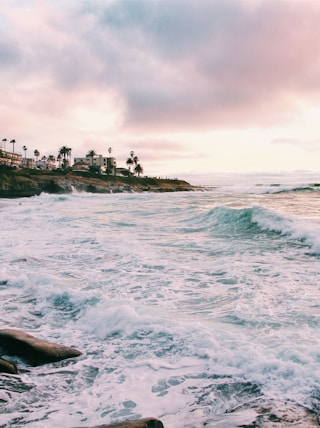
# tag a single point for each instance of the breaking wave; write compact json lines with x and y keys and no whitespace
{"x":249,"y":222}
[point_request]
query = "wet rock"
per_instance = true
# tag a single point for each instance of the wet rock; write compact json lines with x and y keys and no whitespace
{"x":7,"y":367}
{"x":266,"y":413}
{"x":33,"y":350}
{"x":278,"y":414}
{"x":140,"y":423}
{"x":56,"y":186}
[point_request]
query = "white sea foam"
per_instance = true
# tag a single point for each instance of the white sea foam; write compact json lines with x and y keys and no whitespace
{"x":302,"y":230}
{"x":184,"y":305}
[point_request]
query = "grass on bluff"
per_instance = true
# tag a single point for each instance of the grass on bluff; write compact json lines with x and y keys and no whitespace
{"x":130,"y":180}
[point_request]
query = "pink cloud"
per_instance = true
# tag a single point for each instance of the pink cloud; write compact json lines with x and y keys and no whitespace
{"x":170,"y":66}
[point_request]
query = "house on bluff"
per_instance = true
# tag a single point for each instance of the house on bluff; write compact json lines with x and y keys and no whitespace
{"x":10,"y":159}
{"x":100,"y":163}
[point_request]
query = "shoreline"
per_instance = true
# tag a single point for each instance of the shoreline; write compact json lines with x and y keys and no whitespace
{"x":27,"y":183}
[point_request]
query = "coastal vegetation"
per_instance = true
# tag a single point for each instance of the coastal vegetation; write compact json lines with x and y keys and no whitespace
{"x":133,"y":162}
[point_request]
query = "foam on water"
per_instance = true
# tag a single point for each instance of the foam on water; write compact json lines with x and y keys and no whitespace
{"x":184,"y":305}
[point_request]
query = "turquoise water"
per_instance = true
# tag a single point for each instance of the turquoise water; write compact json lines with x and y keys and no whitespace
{"x":185,"y":305}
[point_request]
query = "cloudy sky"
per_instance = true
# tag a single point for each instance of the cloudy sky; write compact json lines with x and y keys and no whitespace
{"x":189,"y":85}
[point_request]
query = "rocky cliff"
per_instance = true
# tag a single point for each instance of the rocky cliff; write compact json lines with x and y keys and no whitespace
{"x":23,"y":183}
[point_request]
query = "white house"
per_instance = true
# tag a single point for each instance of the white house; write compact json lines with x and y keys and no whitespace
{"x":106,"y":164}
{"x":46,"y":163}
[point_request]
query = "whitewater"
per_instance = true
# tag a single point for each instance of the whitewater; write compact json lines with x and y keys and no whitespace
{"x":184,"y":305}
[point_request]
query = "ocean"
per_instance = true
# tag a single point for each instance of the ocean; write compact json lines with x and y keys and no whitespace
{"x":185,"y":305}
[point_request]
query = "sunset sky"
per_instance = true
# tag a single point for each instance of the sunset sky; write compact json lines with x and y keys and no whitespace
{"x":189,"y":85}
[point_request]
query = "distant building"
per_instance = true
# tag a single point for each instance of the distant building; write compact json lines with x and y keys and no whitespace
{"x":106,"y":164}
{"x":45,"y":163}
{"x":41,"y":164}
{"x":10,"y":159}
{"x":28,"y":163}
{"x":80,"y":166}
{"x":111,"y":166}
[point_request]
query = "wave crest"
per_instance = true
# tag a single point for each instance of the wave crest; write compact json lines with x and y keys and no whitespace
{"x":250,"y":222}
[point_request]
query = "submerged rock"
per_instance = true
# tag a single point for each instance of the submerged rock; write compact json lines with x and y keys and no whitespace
{"x":140,"y":423}
{"x":266,"y":413}
{"x":35,"y":351}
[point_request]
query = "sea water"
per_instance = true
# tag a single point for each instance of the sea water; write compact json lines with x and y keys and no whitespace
{"x":185,"y":305}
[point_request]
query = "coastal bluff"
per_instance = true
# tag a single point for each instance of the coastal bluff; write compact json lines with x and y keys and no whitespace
{"x":26,"y":182}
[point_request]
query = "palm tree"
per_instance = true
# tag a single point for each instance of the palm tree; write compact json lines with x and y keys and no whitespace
{"x":25,"y":155}
{"x":138,"y":169}
{"x":91,"y":154}
{"x":65,"y":152}
{"x":131,"y":160}
{"x":51,"y":161}
{"x":36,"y":154}
{"x":4,"y":141}
{"x":109,"y":150}
{"x":69,"y":154}
{"x":43,"y":164}
{"x":129,"y":163}
{"x":13,"y":142}
{"x":59,"y":157}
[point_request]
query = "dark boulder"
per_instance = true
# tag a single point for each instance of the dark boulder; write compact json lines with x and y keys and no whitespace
{"x":7,"y":367}
{"x":140,"y":423}
{"x":34,"y":351}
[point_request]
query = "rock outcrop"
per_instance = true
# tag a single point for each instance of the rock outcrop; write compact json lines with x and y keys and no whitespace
{"x":25,"y":183}
{"x":7,"y":367}
{"x":34,"y":351}
{"x":267,"y":413}
{"x":140,"y":423}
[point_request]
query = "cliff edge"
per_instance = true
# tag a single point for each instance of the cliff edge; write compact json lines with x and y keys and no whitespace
{"x":27,"y":182}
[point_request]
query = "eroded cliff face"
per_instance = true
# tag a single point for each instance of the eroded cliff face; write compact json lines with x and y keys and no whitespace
{"x":16,"y":186}
{"x":24,"y":183}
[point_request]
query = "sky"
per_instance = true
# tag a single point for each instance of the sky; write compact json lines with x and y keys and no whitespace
{"x":191,"y":86}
